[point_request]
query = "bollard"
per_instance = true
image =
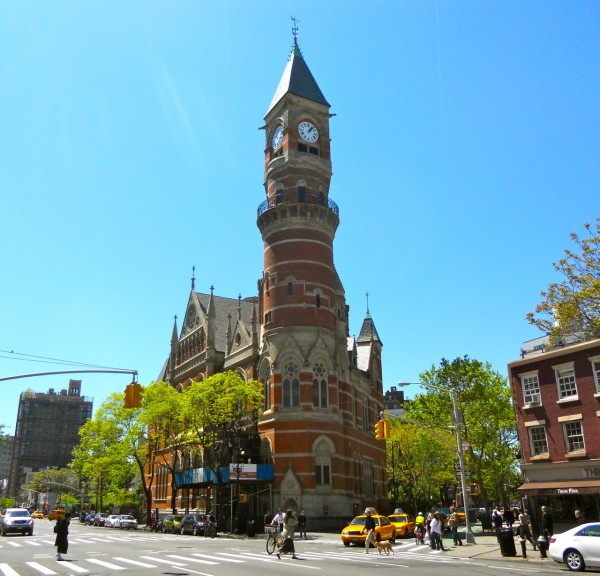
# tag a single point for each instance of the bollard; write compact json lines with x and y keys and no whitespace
{"x":542,"y":545}
{"x":523,"y":543}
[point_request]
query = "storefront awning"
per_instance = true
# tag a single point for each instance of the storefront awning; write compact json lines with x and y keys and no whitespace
{"x":562,"y":488}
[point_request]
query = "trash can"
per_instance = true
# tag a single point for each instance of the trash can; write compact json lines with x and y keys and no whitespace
{"x":251,"y":528}
{"x":486,"y":521}
{"x":506,"y":540}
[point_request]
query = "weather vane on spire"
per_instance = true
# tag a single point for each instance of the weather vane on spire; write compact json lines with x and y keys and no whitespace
{"x":295,"y":29}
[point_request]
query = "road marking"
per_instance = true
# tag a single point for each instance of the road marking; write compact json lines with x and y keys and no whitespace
{"x":135,"y":562}
{"x":105,"y":564}
{"x":32,"y":543}
{"x":210,"y":562}
{"x":219,"y":554}
{"x":71,"y":566}
{"x":7,"y":570}
{"x":14,"y":544}
{"x":40,"y":568}
{"x":163,"y":561}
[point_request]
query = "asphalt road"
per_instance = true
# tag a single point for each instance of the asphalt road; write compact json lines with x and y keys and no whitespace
{"x":104,"y":551}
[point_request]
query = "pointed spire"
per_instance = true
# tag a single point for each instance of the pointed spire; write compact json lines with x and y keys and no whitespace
{"x":193,"y":277}
{"x":297,"y":78}
{"x":239,"y":306}
{"x":175,"y":335}
{"x":211,"y":312}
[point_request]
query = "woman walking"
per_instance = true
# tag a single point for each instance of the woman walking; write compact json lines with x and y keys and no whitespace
{"x":287,"y":535}
{"x":62,"y":535}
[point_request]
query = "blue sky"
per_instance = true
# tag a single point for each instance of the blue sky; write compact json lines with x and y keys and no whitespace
{"x":465,"y":150}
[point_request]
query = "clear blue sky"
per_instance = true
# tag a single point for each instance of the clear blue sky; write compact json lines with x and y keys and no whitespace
{"x":465,"y":149}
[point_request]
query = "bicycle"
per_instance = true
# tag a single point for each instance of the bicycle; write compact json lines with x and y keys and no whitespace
{"x":273,"y":539}
{"x":210,"y":530}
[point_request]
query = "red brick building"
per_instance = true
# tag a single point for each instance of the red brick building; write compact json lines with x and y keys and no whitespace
{"x":323,"y":388}
{"x":556,"y":394}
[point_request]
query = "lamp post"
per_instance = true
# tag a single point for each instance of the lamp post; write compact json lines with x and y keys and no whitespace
{"x":395,"y":446}
{"x":458,"y":424}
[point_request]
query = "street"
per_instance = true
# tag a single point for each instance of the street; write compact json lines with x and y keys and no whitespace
{"x":102,"y":551}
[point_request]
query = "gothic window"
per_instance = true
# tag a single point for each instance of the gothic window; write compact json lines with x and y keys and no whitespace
{"x":319,"y":386}
{"x":318,"y":300}
{"x":290,"y":288}
{"x":323,"y":452}
{"x":266,"y":380}
{"x":279,"y":195}
{"x":291,"y":386}
{"x":301,"y":193}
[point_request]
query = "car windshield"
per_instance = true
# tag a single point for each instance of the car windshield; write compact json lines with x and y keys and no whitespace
{"x":398,"y":518}
{"x":19,"y":513}
{"x":128,"y":517}
{"x":358,"y":521}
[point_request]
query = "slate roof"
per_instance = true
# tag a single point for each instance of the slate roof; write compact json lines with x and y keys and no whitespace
{"x":297,"y":79}
{"x":368,"y":332}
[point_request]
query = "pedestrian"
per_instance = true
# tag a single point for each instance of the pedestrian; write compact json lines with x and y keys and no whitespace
{"x":437,"y":529}
{"x":453,"y":523}
{"x":509,"y":517}
{"x":278,"y":521}
{"x":579,"y":517}
{"x":62,"y":535}
{"x":267,"y":520}
{"x":302,"y":525}
{"x":289,"y":526}
{"x":547,"y":523}
{"x":497,"y":521}
{"x":525,"y":529}
{"x":370,"y":528}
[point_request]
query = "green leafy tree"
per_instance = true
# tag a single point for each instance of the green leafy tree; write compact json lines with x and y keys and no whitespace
{"x":101,"y":456}
{"x":489,"y":432}
{"x":167,"y":435}
{"x":58,"y":480}
{"x":571,"y":307}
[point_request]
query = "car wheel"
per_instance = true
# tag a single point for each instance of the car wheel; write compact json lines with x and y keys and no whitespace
{"x":195,"y":531}
{"x":347,"y":544}
{"x":393,"y":538}
{"x":574,"y":561}
{"x":181,"y":530}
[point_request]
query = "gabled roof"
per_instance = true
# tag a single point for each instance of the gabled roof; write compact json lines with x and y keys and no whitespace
{"x":297,"y":79}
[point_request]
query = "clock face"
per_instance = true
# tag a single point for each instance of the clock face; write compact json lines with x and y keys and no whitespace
{"x":308,"y":132}
{"x":277,"y":139}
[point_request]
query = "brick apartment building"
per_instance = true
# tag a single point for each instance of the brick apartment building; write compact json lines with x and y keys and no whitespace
{"x":556,"y":394}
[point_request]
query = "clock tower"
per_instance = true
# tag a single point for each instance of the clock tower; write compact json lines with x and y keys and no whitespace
{"x":316,"y":396}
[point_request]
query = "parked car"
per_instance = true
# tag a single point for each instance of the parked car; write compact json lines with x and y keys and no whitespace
{"x":88,"y":519}
{"x":193,"y":524}
{"x":404,"y":524}
{"x":172,"y":523}
{"x":355,"y":532}
{"x":127,"y":522}
{"x":38,"y":515}
{"x":99,"y":519}
{"x":111,"y":521}
{"x":16,"y":520}
{"x":56,"y":514}
{"x":578,"y":548}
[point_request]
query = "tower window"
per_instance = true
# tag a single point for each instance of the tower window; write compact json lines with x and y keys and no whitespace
{"x":302,"y":148}
{"x":301,"y":193}
{"x":267,"y":317}
{"x":318,"y":300}
{"x":279,"y":196}
{"x":313,"y":150}
{"x":290,"y":288}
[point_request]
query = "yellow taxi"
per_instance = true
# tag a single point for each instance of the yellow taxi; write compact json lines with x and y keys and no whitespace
{"x":355,"y":532}
{"x":404,"y":524}
{"x":460,"y":514}
{"x":56,"y":514}
{"x":37,"y":515}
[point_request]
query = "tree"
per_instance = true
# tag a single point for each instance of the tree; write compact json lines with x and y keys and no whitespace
{"x":101,"y":456}
{"x":59,"y":480}
{"x":489,"y":432}
{"x":571,"y":307}
{"x":162,"y":415}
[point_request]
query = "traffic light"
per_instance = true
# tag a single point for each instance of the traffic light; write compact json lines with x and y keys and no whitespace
{"x":133,"y":395}
{"x":386,"y":428}
{"x":379,"y":430}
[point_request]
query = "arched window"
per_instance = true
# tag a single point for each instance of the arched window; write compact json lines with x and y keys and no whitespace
{"x":291,"y":386}
{"x":319,"y":386}
{"x":323,"y":452}
{"x":266,"y":379}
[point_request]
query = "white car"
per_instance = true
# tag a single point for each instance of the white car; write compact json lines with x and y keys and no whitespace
{"x":112,"y":521}
{"x":16,"y":520}
{"x":127,"y":522}
{"x":578,"y":547}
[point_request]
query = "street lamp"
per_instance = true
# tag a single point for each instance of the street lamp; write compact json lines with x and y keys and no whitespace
{"x":458,"y":424}
{"x":395,"y":446}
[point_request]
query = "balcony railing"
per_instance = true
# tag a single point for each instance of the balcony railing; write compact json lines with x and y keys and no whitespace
{"x":297,"y":198}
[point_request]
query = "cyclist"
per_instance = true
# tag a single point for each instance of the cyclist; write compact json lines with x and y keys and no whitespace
{"x":420,"y":528}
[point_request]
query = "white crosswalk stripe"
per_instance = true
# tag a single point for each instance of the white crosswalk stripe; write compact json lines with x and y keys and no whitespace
{"x":105,"y":564}
{"x":7,"y":570}
{"x":40,"y":568}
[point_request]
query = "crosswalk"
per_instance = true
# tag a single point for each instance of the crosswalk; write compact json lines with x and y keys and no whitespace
{"x":44,"y":562}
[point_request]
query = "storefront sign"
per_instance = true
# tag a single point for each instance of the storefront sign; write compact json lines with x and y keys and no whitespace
{"x":591,"y":472}
{"x":567,"y":491}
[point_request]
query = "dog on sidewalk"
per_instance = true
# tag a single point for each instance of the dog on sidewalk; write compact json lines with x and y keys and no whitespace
{"x":385,"y":547}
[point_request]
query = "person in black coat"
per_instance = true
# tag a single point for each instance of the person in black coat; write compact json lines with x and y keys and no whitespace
{"x":62,"y":535}
{"x":547,"y":523}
